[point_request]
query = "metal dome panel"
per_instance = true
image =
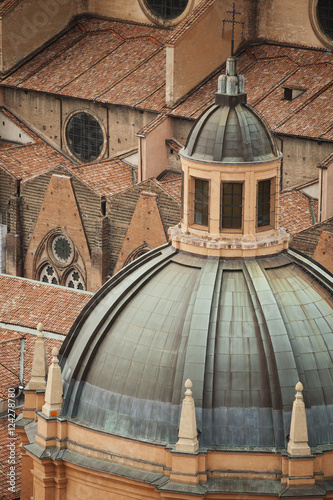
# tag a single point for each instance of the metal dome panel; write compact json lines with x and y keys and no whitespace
{"x":244,"y":331}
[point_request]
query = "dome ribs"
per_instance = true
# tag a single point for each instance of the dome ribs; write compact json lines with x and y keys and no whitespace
{"x":195,"y":361}
{"x":80,"y":354}
{"x":286,"y":368}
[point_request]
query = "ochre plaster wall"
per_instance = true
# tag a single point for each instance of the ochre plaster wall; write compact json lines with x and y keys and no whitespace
{"x":153,"y":150}
{"x":200,"y":50}
{"x":31,"y":23}
{"x":277,"y":21}
{"x":78,"y":482}
{"x":325,"y":193}
{"x":300,"y":159}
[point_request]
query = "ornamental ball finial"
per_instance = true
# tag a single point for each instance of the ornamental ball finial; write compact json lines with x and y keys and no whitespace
{"x":40,"y":327}
{"x":55,"y":352}
{"x":299,"y":387}
{"x":188,"y":384}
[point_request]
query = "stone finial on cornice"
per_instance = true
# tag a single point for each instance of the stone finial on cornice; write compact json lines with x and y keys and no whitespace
{"x":54,"y":391}
{"x":187,"y":435}
{"x":298,"y":441}
{"x":39,"y":363}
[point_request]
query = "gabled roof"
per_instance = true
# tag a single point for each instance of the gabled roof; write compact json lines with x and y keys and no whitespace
{"x":295,"y":210}
{"x":24,"y":303}
{"x":269,"y":68}
{"x":105,"y":60}
{"x":106,"y":177}
{"x":28,"y":160}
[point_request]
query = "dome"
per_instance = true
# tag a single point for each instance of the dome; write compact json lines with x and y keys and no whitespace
{"x":230,"y":134}
{"x":244,"y":331}
{"x":230,"y":131}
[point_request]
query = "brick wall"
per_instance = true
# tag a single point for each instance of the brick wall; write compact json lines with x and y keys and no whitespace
{"x":120,"y":209}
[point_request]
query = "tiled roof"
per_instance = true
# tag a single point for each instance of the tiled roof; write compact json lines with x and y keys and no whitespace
{"x":109,"y":61}
{"x":26,"y":161}
{"x":173,"y":187}
{"x":306,"y":241}
{"x":106,"y":177}
{"x":295,"y":211}
{"x":276,"y":67}
{"x":173,"y":144}
{"x":7,"y":5}
{"x":326,"y":161}
{"x":26,"y":303}
{"x":9,"y":362}
{"x":152,"y":125}
{"x":190,"y":20}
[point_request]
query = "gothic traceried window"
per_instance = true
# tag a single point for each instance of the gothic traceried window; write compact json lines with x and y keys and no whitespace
{"x":48,"y":275}
{"x":74,"y":280}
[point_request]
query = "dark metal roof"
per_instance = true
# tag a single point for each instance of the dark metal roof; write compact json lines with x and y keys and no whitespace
{"x":230,"y":134}
{"x":244,"y":331}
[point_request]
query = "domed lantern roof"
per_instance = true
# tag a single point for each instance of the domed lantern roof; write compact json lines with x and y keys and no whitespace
{"x":230,"y":130}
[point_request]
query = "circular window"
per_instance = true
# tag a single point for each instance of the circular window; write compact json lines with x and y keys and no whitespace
{"x":74,"y":280}
{"x":166,"y":10}
{"x":84,"y":137}
{"x":62,"y":249}
{"x":325,"y":17}
{"x":48,"y":275}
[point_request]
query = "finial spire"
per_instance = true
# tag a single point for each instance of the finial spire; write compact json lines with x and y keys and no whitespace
{"x":39,"y":363}
{"x":187,"y":435}
{"x":53,"y":393}
{"x":298,"y":441}
{"x":233,"y":21}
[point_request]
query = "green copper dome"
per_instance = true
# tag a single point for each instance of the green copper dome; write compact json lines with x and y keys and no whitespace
{"x":230,"y":131}
{"x":244,"y":332}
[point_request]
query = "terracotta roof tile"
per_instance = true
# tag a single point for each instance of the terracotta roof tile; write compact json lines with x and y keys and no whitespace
{"x":7,"y":5}
{"x":171,"y":182}
{"x":26,"y":161}
{"x":140,"y":84}
{"x":118,"y":61}
{"x":173,"y":144}
{"x":26,"y":303}
{"x":106,"y":177}
{"x":152,"y":125}
{"x":295,"y":213}
{"x":277,"y":66}
{"x":326,"y":161}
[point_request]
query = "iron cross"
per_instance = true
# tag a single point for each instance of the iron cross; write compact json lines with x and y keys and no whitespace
{"x":233,"y":21}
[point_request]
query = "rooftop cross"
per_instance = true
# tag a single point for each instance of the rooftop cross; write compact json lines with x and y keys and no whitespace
{"x":233,"y":21}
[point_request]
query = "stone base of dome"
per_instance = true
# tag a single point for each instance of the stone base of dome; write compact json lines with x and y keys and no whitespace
{"x":229,"y":246}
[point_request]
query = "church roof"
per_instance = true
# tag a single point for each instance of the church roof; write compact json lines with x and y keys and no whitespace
{"x":244,"y":331}
{"x":123,"y":63}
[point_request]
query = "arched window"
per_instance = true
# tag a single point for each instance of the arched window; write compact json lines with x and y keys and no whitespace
{"x":74,"y":280}
{"x":48,"y":275}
